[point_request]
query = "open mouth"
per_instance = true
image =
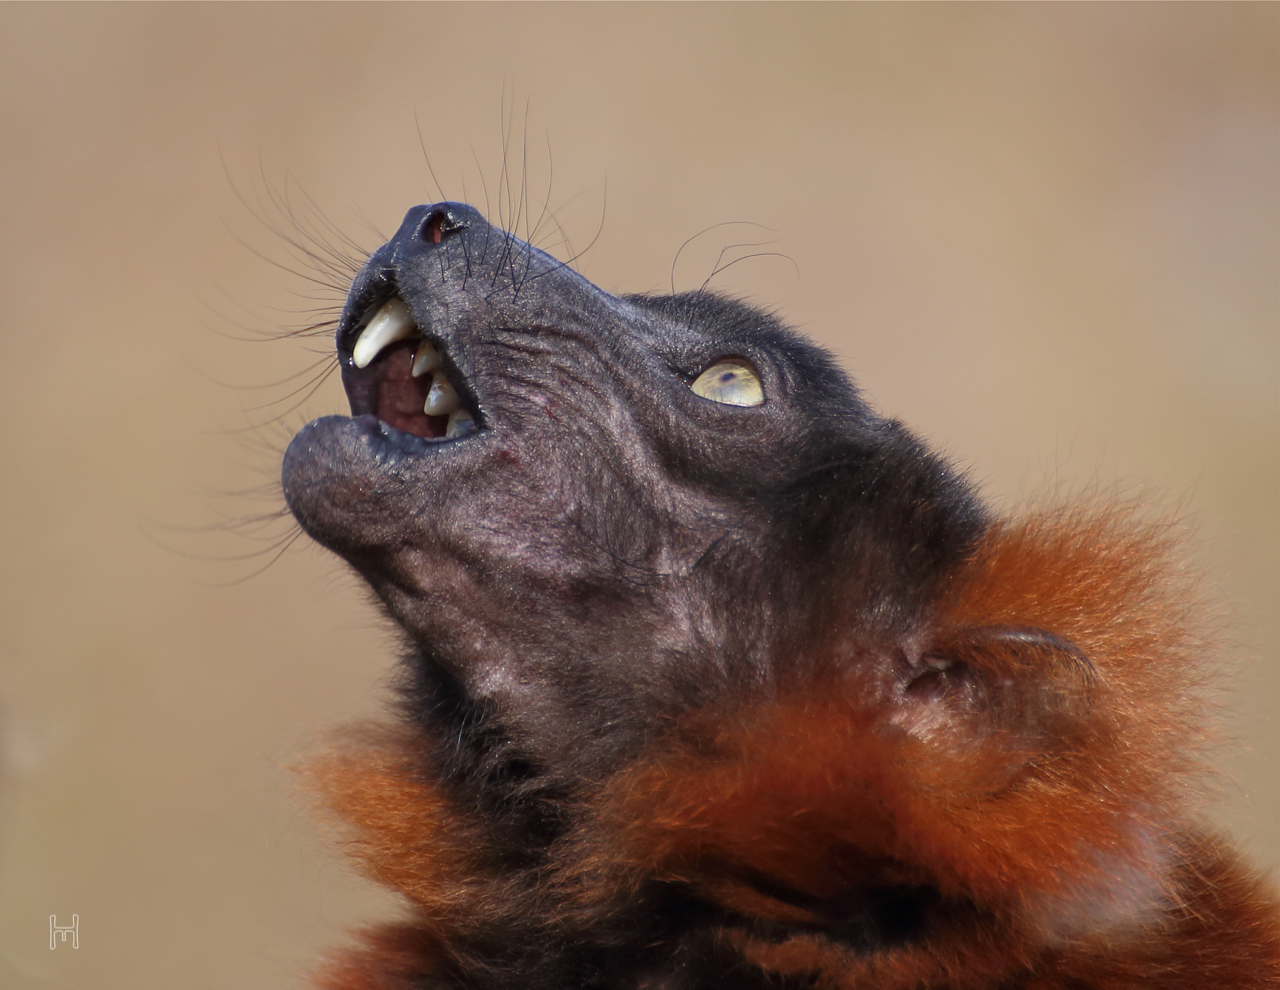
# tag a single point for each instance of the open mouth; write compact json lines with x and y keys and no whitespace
{"x":394,"y":372}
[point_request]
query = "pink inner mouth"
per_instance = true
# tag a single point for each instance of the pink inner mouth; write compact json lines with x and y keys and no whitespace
{"x":400,"y":396}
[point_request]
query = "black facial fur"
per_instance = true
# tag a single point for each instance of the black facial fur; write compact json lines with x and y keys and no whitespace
{"x":609,"y":548}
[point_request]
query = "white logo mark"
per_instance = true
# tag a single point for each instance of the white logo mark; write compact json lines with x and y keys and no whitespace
{"x":72,"y":929}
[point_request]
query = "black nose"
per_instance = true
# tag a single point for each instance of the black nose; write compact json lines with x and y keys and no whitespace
{"x":434,"y":223}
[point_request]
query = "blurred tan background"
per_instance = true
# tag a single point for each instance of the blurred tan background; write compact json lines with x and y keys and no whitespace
{"x":1045,"y":236}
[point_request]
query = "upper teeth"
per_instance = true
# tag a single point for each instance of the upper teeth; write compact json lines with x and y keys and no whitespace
{"x":426,"y":359}
{"x":390,"y":323}
{"x":393,"y":322}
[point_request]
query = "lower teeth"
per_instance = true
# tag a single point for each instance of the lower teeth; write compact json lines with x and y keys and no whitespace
{"x":460,"y":424}
{"x":441,"y":398}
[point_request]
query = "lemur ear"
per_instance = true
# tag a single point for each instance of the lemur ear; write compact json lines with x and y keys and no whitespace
{"x":1029,"y":685}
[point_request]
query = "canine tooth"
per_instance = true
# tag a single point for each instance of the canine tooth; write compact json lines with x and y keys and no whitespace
{"x":390,"y":323}
{"x":441,"y":399}
{"x":426,"y":359}
{"x":461,"y":423}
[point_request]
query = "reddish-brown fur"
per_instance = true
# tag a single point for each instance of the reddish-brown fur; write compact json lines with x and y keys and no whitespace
{"x":1065,"y":836}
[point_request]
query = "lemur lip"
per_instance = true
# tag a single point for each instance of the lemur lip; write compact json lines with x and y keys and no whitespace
{"x":385,"y":372}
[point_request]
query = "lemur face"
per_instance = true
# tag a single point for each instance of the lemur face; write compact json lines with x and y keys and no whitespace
{"x":588,"y":512}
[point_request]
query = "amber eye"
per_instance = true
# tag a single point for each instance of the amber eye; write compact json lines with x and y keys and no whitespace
{"x":731,"y":382}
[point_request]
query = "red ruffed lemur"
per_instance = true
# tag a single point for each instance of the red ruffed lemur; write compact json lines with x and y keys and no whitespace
{"x":715,"y":678}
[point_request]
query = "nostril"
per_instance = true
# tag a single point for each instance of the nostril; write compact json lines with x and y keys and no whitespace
{"x":439,"y":224}
{"x":433,"y":230}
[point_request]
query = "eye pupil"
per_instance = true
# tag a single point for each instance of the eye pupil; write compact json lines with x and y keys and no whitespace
{"x":730,"y":382}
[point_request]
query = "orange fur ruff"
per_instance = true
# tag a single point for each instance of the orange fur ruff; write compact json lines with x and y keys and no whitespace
{"x":1066,"y":830}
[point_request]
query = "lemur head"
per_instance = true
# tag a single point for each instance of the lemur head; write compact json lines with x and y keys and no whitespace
{"x":588,"y":512}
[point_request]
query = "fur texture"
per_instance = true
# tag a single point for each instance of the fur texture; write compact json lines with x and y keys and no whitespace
{"x":806,"y":717}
